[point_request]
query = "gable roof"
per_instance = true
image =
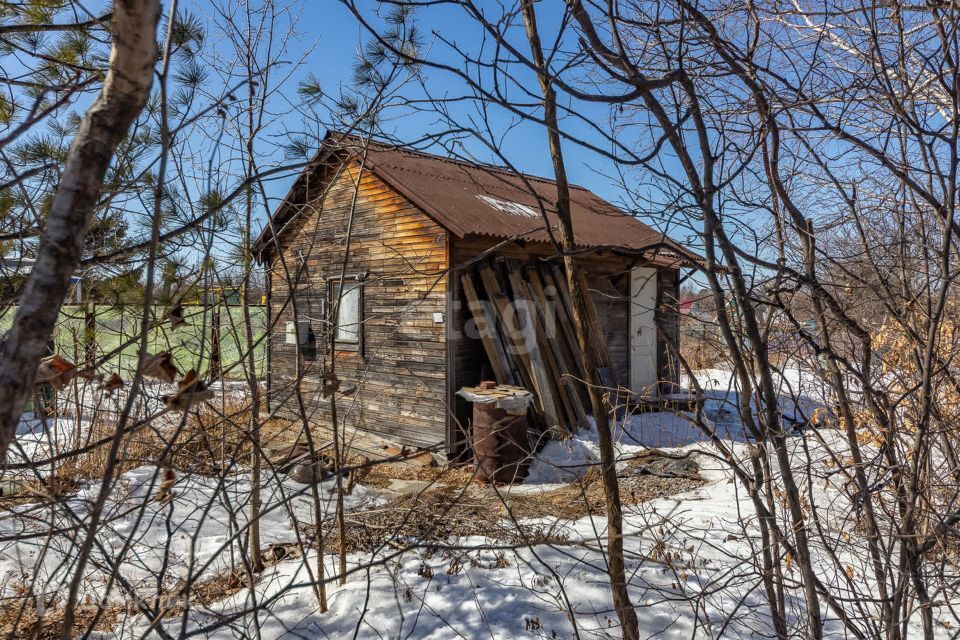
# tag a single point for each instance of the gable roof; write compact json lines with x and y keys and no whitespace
{"x":484,"y":200}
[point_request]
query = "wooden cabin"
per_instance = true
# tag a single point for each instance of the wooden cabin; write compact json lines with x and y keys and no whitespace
{"x":380,"y":263}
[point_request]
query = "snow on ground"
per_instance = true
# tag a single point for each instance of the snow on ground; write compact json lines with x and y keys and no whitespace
{"x":195,"y":527}
{"x":41,"y":439}
{"x":690,"y":556}
{"x":480,"y":588}
{"x":563,"y":461}
{"x":801,"y":391}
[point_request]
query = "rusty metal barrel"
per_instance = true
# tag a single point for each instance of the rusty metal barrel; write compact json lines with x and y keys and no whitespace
{"x":500,"y":439}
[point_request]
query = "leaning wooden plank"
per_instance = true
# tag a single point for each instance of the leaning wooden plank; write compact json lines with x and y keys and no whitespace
{"x":533,"y":349}
{"x":501,"y":307}
{"x":596,"y":332}
{"x":486,"y":325}
{"x":539,"y":351}
{"x":521,"y":352}
{"x":558,"y":278}
{"x":546,"y":290}
{"x":573,"y":391}
{"x":604,"y":370}
{"x":554,"y":277}
{"x":568,"y":364}
{"x":559,"y":297}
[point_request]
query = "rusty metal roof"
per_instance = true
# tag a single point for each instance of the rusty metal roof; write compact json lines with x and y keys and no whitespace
{"x":477,"y":199}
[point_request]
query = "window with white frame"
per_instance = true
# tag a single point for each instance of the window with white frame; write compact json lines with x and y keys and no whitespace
{"x":349,"y":309}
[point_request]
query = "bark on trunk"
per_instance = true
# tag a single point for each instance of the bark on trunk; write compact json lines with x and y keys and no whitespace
{"x":616,"y":568}
{"x":125,"y":92}
{"x":215,"y":368}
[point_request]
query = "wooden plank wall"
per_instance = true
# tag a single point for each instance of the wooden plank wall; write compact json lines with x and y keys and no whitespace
{"x":608,"y":278}
{"x":400,"y":374}
{"x":668,"y":319}
{"x":607,"y":274}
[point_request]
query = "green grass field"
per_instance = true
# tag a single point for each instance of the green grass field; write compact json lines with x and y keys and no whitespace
{"x":190,"y":343}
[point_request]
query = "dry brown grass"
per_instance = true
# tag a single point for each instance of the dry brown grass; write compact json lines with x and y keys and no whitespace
{"x":47,"y":490}
{"x":701,"y":351}
{"x":434,"y":517}
{"x":208,"y":441}
{"x":20,"y":617}
{"x":454,"y":505}
{"x":216,"y":436}
{"x":586,"y":496}
{"x":383,"y":472}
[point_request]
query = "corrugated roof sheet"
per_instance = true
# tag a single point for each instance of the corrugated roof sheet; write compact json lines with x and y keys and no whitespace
{"x":477,"y":199}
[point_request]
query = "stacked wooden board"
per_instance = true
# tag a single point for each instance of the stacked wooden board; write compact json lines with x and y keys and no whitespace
{"x":524,"y":316}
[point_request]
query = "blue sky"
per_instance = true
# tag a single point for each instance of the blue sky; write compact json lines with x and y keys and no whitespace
{"x":325,"y":42}
{"x":330,"y":38}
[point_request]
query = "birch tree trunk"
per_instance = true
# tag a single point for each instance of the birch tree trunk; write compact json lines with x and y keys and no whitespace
{"x":125,"y":92}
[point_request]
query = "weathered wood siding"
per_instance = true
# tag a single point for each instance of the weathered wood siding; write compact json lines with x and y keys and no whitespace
{"x":608,"y":275}
{"x":400,"y":372}
{"x":668,"y":322}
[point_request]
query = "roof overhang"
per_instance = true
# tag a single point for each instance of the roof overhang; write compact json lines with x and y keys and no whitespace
{"x":661,"y":251}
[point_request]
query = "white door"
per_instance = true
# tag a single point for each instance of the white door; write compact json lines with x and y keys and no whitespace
{"x":643,"y":330}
